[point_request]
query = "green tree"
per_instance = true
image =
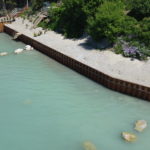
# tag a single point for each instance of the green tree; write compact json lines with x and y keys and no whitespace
{"x":71,"y":18}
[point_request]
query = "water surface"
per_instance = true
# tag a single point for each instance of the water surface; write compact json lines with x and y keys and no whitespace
{"x":46,"y":106}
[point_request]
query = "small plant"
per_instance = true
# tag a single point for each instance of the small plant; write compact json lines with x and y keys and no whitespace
{"x":34,"y":34}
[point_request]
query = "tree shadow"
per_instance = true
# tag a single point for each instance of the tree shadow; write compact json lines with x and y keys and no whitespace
{"x":90,"y":44}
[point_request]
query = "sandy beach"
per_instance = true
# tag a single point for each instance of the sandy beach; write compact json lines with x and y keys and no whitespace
{"x":105,"y":61}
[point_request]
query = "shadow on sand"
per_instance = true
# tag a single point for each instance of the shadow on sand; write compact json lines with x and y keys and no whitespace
{"x":90,"y":44}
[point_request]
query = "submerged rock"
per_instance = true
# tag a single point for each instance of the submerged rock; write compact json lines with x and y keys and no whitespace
{"x":140,"y":125}
{"x":130,"y":137}
{"x":27,"y":102}
{"x":3,"y":53}
{"x":89,"y":145}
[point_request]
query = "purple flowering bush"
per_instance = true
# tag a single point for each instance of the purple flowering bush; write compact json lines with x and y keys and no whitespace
{"x":131,"y":49}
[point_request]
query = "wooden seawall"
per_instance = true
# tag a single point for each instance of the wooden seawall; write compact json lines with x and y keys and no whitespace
{"x":115,"y":84}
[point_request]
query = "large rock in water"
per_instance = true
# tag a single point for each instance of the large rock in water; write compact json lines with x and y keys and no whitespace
{"x":18,"y":51}
{"x":140,"y":125}
{"x":130,"y":137}
{"x":28,"y":48}
{"x":89,"y":145}
{"x":3,"y":53}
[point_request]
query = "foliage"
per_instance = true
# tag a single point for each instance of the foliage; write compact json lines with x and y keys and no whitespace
{"x":71,"y":24}
{"x":107,"y":22}
{"x":144,"y":34}
{"x":101,"y":19}
{"x":26,"y":13}
{"x":91,"y":7}
{"x":54,"y":16}
{"x":10,"y":4}
{"x":37,"y":4}
{"x":53,"y":20}
{"x":74,"y":22}
{"x":133,"y":49}
{"x":139,"y":8}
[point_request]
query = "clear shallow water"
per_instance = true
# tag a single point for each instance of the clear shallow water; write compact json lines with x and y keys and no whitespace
{"x":46,"y":106}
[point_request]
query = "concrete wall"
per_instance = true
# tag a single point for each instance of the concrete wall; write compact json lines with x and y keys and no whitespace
{"x":115,"y":84}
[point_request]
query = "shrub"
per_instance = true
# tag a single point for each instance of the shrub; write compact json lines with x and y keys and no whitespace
{"x":54,"y":15}
{"x":133,"y":49}
{"x":69,"y":18}
{"x":26,"y":13}
{"x":72,"y":20}
{"x":107,"y":22}
{"x":91,"y":7}
{"x":140,"y":8}
{"x":10,"y":4}
{"x":37,"y":4}
{"x":43,"y":24}
{"x":144,"y":34}
{"x":130,"y":26}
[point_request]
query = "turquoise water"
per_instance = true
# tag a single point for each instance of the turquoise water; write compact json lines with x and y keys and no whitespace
{"x":46,"y":106}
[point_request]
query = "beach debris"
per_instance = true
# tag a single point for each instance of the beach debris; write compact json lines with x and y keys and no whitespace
{"x":3,"y":53}
{"x":130,"y":137}
{"x":140,"y":125}
{"x":18,"y":51}
{"x":28,"y":48}
{"x":89,"y":145}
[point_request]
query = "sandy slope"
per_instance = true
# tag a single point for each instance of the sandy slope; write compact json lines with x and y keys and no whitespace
{"x":105,"y":61}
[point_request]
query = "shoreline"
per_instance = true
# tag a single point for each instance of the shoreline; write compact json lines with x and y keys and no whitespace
{"x":104,"y":61}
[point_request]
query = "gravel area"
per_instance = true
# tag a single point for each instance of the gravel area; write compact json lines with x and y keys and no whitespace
{"x":105,"y":61}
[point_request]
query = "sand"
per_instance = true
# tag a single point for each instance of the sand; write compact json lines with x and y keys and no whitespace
{"x":105,"y":61}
